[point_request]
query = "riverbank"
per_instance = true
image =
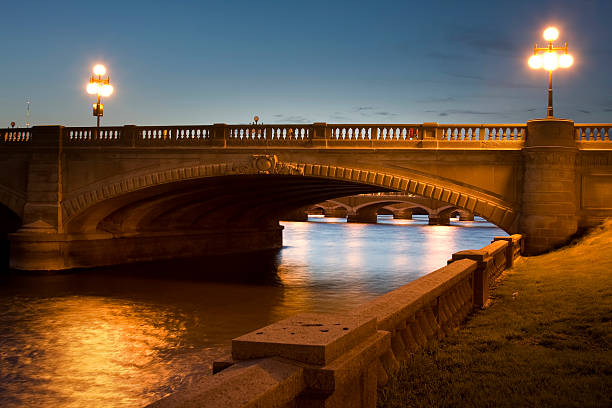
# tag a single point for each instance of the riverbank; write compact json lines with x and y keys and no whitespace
{"x":545,"y":340}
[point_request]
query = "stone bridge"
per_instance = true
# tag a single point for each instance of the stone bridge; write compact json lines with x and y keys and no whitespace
{"x":76,"y":197}
{"x":366,"y":207}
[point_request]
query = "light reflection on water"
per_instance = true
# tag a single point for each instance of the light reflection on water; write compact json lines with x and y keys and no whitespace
{"x":126,"y":336}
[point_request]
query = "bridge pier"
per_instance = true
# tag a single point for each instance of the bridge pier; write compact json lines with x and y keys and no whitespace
{"x":402,"y":214}
{"x":466,"y":216}
{"x":364,"y":218}
{"x":548,"y":215}
{"x":439,"y":219}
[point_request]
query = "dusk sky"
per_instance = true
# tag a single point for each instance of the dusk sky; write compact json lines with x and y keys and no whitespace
{"x":201,"y":62}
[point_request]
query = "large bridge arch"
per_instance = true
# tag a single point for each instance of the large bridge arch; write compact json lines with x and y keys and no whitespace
{"x":83,"y":211}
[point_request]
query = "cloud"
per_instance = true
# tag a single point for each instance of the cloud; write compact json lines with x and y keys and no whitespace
{"x":445,"y":55}
{"x":384,"y":113}
{"x":437,"y":100}
{"x":369,"y":111}
{"x":466,"y":76}
{"x":483,"y":40}
{"x":338,"y":116}
{"x":584,"y":111}
{"x":607,"y":110}
{"x":467,"y":112}
{"x":291,"y":119}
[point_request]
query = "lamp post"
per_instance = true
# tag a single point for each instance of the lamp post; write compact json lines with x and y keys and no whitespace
{"x":101,"y":87}
{"x":547,"y":58}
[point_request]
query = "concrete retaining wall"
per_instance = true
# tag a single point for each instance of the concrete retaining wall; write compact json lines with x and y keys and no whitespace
{"x":339,"y":360}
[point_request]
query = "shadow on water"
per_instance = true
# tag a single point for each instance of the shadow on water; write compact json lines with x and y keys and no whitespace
{"x":149,"y":279}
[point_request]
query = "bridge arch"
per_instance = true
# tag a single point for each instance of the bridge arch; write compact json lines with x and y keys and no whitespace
{"x":12,"y":200}
{"x":84,"y":211}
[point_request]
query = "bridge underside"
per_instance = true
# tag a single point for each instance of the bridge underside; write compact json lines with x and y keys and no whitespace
{"x":197,"y":217}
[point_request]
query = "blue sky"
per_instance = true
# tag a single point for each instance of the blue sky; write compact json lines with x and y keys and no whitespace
{"x":200,"y":62}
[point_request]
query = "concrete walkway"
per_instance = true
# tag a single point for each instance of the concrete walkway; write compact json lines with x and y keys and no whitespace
{"x":544,"y":341}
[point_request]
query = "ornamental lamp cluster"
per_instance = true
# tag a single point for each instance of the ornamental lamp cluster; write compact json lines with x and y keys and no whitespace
{"x":549,"y":59}
{"x":99,"y":86}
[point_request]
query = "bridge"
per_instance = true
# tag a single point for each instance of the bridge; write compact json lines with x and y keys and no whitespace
{"x":365,"y":208}
{"x":75,"y":197}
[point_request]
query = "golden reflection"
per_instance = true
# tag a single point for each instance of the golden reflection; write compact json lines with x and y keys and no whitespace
{"x":438,"y":241}
{"x":90,"y":351}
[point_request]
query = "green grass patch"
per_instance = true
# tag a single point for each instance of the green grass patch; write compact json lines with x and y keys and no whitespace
{"x":543,"y":342}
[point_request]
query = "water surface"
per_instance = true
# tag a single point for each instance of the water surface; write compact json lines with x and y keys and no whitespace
{"x":126,"y":336}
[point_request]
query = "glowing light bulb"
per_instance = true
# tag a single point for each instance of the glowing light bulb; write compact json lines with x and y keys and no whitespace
{"x":106,"y":90}
{"x":92,"y":88}
{"x":99,"y":69}
{"x":535,"y":62}
{"x":550,"y":61}
{"x":551,"y":34}
{"x":566,"y":61}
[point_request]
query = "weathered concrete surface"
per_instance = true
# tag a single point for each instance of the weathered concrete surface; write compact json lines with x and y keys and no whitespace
{"x":309,"y":338}
{"x":260,"y":383}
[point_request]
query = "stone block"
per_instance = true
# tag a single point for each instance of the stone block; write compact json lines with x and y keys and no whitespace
{"x":307,"y":338}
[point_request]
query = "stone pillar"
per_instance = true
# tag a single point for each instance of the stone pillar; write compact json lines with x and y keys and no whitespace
{"x":548,"y":216}
{"x":402,"y":214}
{"x":439,"y":219}
{"x":220,"y":133}
{"x":430,"y":131}
{"x":466,"y":216}
{"x":365,"y":217}
{"x":42,"y":212}
{"x":320,"y":134}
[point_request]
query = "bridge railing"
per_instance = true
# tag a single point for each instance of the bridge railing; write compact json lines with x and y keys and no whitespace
{"x":16,"y":135}
{"x":316,"y":135}
{"x":493,"y":132}
{"x":593,"y":132}
{"x":339,"y":360}
{"x":172,"y":135}
{"x":267,"y":134}
{"x":91,"y":135}
{"x":352,"y":132}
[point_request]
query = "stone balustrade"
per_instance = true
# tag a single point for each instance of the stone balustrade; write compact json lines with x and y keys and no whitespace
{"x":340,"y":360}
{"x":298,"y":134}
{"x":593,"y":132}
{"x":357,"y":135}
{"x":235,"y":135}
{"x":16,"y":135}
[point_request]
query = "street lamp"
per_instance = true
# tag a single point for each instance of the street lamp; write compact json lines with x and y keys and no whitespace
{"x":100,"y":86}
{"x":547,"y":58}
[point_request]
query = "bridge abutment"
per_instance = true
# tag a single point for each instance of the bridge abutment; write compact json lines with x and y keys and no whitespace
{"x":49,"y":251}
{"x":548,"y":214}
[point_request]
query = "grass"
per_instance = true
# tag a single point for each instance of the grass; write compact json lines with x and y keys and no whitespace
{"x":543,"y":342}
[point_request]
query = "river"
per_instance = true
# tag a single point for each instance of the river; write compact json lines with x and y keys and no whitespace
{"x":127,"y":336}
